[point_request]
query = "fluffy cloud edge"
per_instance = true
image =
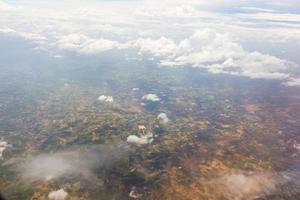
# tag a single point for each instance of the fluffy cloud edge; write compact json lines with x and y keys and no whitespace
{"x":58,"y":195}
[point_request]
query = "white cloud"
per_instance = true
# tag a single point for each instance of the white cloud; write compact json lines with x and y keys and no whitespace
{"x":104,"y":98}
{"x":287,"y":17}
{"x":219,"y":53}
{"x":163,"y":118}
{"x":80,"y":162}
{"x":142,"y":140}
{"x":292,"y":82}
{"x":296,"y":146}
{"x":151,"y":97}
{"x":37,"y":38}
{"x":58,"y":195}
{"x":6,"y":7}
{"x":85,"y":45}
{"x":92,"y":28}
{"x":160,"y":47}
{"x":3,"y":146}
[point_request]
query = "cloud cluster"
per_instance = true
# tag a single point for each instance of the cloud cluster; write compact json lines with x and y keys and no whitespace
{"x":151,"y":97}
{"x":58,"y":195}
{"x":79,"y":162}
{"x":104,"y":98}
{"x":219,"y":53}
{"x":234,"y":38}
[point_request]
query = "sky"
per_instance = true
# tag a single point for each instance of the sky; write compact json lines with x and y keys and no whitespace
{"x":254,"y":39}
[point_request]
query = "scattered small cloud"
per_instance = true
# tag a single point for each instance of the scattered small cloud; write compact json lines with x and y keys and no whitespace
{"x":104,"y":98}
{"x":151,"y":97}
{"x":3,"y":146}
{"x":142,"y":140}
{"x":134,"y":194}
{"x":163,"y":118}
{"x":58,"y":195}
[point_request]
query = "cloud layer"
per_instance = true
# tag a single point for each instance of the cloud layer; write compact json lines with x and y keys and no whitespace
{"x":251,"y":39}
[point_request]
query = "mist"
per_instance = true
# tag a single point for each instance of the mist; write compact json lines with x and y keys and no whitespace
{"x":83,"y":162}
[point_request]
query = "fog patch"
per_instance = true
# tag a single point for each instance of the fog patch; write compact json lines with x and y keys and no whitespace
{"x":58,"y":195}
{"x":82,"y":162}
{"x":239,"y":185}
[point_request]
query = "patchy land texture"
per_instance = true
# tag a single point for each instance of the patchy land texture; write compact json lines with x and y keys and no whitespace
{"x":232,"y":142}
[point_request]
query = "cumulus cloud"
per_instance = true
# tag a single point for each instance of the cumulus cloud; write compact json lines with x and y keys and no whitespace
{"x":163,"y":118}
{"x":58,"y":195}
{"x":142,"y":140}
{"x":104,"y":98}
{"x":79,"y":162}
{"x":151,"y":97}
{"x":219,"y":53}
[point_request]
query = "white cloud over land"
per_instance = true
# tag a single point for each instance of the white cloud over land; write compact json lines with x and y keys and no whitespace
{"x":163,"y":118}
{"x":3,"y":146}
{"x":218,"y":53}
{"x":84,"y":45}
{"x":151,"y":97}
{"x":58,"y":195}
{"x":104,"y":98}
{"x":142,"y":140}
